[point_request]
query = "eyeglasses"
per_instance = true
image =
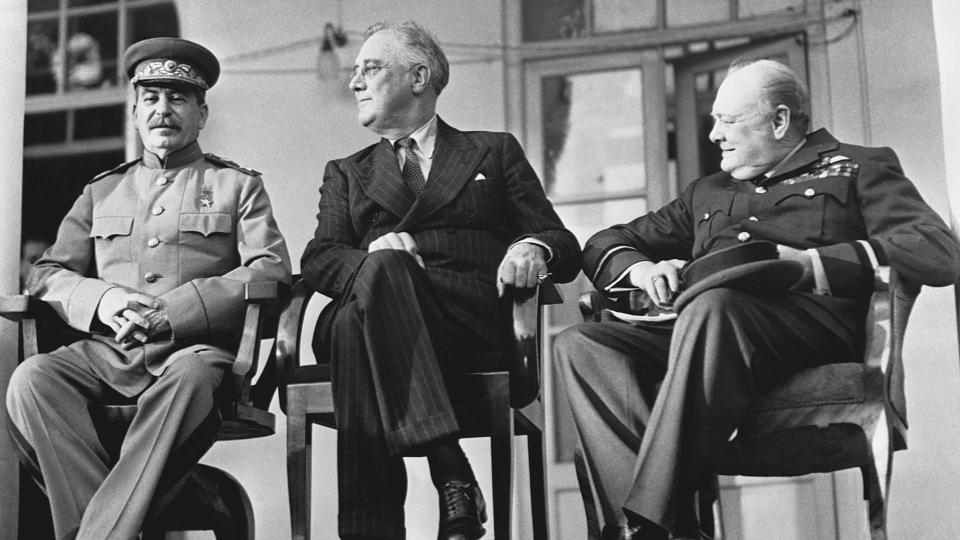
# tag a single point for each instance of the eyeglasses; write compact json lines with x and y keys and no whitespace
{"x":368,"y":71}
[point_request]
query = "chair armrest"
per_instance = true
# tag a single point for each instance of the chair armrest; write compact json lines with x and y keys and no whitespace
{"x":591,"y":306}
{"x":886,"y":325}
{"x":259,"y":323}
{"x":525,"y":367}
{"x":289,"y":345}
{"x":14,"y":306}
{"x":37,"y":319}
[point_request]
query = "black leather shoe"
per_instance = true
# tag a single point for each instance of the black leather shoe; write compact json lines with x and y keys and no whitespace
{"x":462,"y":511}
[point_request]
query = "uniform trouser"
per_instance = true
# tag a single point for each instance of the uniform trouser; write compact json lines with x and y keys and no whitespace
{"x":90,"y":498}
{"x":388,"y":342}
{"x":654,"y":404}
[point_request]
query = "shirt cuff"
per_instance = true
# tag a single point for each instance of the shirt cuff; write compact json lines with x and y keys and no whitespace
{"x":536,"y":242}
{"x":622,"y":282}
{"x":821,"y":285}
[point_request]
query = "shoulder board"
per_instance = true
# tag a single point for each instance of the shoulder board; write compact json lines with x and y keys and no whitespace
{"x":233,"y":165}
{"x":118,"y":169}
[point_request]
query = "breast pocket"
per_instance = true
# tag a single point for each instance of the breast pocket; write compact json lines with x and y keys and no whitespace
{"x":821,"y":211}
{"x":111,"y":236}
{"x":713,"y":216}
{"x":207,"y":236}
{"x":480,"y":200}
{"x":206,"y":224}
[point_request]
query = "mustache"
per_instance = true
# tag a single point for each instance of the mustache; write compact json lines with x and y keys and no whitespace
{"x":163,"y":122}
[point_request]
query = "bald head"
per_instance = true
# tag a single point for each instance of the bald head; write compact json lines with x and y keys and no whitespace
{"x":777,"y":84}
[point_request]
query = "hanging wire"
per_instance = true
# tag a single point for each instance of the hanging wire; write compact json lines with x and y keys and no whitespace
{"x":853,"y":14}
{"x":472,"y":53}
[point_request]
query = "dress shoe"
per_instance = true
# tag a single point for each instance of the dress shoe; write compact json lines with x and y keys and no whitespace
{"x":462,"y":511}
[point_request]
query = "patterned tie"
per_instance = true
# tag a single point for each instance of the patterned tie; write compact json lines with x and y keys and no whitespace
{"x":412,"y":175}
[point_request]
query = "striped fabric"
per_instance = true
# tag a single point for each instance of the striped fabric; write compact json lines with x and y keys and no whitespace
{"x":395,"y":327}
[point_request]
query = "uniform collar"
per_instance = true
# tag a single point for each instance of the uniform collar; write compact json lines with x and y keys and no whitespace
{"x":773,"y":172}
{"x":815,"y":144}
{"x":181,"y":157}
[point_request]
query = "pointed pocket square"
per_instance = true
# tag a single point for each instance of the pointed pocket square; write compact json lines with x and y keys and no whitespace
{"x":480,"y":176}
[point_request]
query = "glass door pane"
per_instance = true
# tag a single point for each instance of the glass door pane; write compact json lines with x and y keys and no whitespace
{"x":593,"y":133}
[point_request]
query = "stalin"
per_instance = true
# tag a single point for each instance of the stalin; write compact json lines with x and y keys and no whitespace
{"x":782,"y":246}
{"x":151,"y":261}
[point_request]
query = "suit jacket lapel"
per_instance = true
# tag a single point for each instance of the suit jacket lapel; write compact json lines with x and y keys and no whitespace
{"x":455,"y":159}
{"x":379,"y":176}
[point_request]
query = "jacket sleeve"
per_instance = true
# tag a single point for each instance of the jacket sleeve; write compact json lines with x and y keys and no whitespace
{"x":901,"y":228}
{"x":65,"y":276}
{"x":216,"y":303}
{"x":534,"y":216}
{"x":661,"y":235}
{"x":332,"y":256}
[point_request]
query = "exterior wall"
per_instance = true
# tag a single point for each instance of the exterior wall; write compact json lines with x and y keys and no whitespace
{"x":13,"y":43}
{"x":903,"y":83}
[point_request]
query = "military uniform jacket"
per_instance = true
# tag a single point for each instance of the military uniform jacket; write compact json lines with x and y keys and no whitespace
{"x":481,"y":195}
{"x":828,"y":196}
{"x":192,"y":231}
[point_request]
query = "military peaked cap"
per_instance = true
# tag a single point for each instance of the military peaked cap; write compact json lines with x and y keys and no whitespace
{"x":170,"y":59}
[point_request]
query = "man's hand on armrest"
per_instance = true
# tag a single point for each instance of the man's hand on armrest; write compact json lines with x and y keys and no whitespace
{"x":523,"y":267}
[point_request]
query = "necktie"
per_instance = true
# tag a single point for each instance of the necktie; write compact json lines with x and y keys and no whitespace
{"x":412,"y":174}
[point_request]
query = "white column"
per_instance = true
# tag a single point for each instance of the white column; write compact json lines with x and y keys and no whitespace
{"x":946,"y":17}
{"x":13,"y":54}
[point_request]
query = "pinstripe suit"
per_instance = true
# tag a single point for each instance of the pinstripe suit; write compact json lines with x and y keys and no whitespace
{"x":394,"y":327}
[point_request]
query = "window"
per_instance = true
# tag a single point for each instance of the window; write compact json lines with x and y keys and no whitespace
{"x":76,"y":96}
{"x":545,"y":20}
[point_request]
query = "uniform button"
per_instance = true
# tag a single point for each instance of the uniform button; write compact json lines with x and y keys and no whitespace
{"x":153,"y":242}
{"x":706,"y":215}
{"x":150,"y":277}
{"x":760,"y":189}
{"x":743,"y":236}
{"x":753,"y":218}
{"x":809,"y":192}
{"x":162,"y":181}
{"x":157,"y":210}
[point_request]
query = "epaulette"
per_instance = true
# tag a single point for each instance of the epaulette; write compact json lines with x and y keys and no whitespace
{"x":232,"y":164}
{"x":118,"y":169}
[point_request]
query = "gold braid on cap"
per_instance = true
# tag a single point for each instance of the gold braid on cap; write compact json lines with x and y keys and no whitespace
{"x":168,"y":69}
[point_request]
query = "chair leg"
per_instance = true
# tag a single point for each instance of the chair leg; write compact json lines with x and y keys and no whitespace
{"x":876,"y":502}
{"x":299,"y":442}
{"x":538,"y":486}
{"x":501,"y":457}
{"x":239,"y":522}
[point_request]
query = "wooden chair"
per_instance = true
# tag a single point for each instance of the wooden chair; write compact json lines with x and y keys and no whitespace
{"x":208,"y":498}
{"x":832,"y":417}
{"x":495,"y":404}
